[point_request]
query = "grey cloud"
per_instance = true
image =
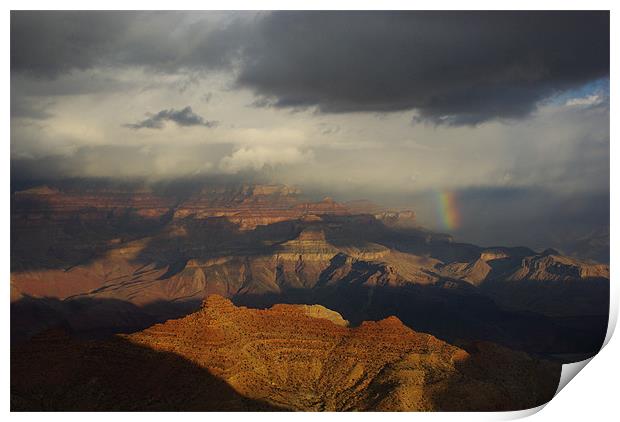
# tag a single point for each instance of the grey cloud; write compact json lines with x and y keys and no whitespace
{"x":327,"y":129}
{"x":27,"y":108}
{"x":121,"y":161}
{"x":76,"y":83}
{"x":50,"y":43}
{"x":184,"y":117}
{"x":453,"y":68}
{"x":207,"y":97}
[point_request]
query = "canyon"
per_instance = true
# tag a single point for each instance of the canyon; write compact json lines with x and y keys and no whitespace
{"x":221,"y":278}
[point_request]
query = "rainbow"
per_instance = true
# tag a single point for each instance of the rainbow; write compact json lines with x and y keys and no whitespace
{"x":448,"y":210}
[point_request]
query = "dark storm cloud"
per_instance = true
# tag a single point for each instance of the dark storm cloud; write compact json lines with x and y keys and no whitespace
{"x":49,"y":43}
{"x":451,"y":67}
{"x":184,"y":117}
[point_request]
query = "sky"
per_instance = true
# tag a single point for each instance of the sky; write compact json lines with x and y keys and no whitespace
{"x":507,"y":112}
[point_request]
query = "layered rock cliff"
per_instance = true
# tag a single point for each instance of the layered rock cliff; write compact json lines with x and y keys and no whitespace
{"x":288,"y":357}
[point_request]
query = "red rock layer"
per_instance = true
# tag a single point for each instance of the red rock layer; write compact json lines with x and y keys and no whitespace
{"x":228,"y":357}
{"x":284,"y":357}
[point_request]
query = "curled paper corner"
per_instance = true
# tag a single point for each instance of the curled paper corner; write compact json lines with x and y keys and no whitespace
{"x":569,"y":371}
{"x":611,"y":323}
{"x":517,"y":414}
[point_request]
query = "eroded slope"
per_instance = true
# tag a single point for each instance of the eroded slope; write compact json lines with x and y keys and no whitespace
{"x":285,"y":357}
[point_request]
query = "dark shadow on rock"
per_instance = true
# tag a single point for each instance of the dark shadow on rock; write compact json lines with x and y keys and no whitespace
{"x":46,"y":239}
{"x":91,"y":318}
{"x":493,"y":378}
{"x":453,"y":315}
{"x":41,"y":239}
{"x":578,"y":298}
{"x":53,"y":372}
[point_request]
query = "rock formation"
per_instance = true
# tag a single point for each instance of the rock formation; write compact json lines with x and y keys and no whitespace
{"x":288,"y":357}
{"x":118,"y":260}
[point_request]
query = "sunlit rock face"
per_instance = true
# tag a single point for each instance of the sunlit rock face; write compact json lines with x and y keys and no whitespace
{"x":288,"y":357}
